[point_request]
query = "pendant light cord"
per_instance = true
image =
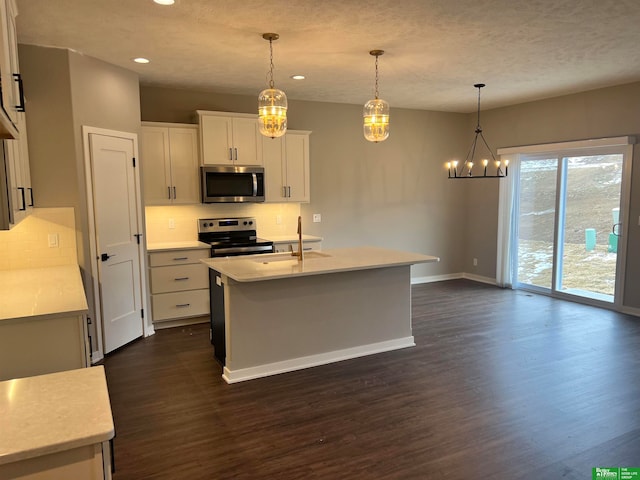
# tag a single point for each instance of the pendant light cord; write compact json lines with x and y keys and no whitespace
{"x":271,"y":64}
{"x":478,"y":127}
{"x":376,"y":90}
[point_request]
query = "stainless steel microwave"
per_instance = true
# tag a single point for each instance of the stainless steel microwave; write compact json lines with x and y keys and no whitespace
{"x":230,"y":184}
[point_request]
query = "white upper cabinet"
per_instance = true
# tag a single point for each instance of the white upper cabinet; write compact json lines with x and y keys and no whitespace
{"x":229,"y":138}
{"x":286,"y":165}
{"x":170,"y":167}
{"x":12,"y":100}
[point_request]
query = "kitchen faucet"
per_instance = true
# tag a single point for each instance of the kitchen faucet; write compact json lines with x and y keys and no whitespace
{"x":299,"y":252}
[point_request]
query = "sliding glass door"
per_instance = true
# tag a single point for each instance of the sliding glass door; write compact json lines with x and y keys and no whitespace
{"x":566,"y":226}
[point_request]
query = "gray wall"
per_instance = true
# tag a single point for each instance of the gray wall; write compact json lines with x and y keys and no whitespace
{"x":607,"y":112}
{"x":392,"y":194}
{"x":66,"y":90}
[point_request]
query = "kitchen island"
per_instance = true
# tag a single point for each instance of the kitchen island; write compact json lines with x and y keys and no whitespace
{"x":273,"y":313}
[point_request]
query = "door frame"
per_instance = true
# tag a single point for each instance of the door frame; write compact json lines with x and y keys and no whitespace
{"x":506,"y":255}
{"x":147,"y":326}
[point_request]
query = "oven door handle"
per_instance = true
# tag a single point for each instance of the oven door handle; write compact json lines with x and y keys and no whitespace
{"x":253,"y":249}
{"x":255,"y":184}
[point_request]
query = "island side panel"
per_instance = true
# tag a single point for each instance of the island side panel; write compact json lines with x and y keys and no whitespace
{"x":278,"y":320}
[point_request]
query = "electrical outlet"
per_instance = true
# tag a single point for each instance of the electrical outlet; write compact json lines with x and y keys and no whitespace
{"x":278,"y":219}
{"x":317,"y":218}
{"x":475,"y":262}
{"x":53,"y":240}
{"x":172,"y":223}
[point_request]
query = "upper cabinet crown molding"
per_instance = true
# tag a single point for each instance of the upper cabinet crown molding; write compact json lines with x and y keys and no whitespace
{"x":229,"y":138}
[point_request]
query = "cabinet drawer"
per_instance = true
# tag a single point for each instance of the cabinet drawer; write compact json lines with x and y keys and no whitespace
{"x":179,"y":278}
{"x":177,"y":257}
{"x":169,"y":306}
{"x":306,"y":246}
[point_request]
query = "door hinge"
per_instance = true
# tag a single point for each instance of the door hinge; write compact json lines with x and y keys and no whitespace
{"x":134,"y":162}
{"x":142,"y":313}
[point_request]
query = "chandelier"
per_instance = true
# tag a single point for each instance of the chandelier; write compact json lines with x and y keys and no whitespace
{"x":466,"y":169}
{"x":376,"y":112}
{"x":272,"y":102}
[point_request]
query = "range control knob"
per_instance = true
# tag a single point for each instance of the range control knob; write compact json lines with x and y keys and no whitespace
{"x":251,"y":222}
{"x":245,"y":222}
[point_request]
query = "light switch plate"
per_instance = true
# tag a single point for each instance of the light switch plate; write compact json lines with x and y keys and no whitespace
{"x":317,"y":218}
{"x":53,"y":240}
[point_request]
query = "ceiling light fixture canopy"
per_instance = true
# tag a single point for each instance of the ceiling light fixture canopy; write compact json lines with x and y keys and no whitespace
{"x":376,"y":112}
{"x":272,"y":103}
{"x":466,"y":169}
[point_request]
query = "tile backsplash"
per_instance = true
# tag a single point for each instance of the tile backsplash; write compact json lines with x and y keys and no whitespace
{"x":179,"y":223}
{"x":27,"y":245}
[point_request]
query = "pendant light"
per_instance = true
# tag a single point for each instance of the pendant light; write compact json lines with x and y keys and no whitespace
{"x":376,"y":112}
{"x":466,"y":169}
{"x":272,"y":103}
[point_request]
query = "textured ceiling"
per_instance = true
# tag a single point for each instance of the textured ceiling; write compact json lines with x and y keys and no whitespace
{"x":435,"y":50}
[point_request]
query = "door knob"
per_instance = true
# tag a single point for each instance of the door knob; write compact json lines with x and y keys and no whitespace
{"x":105,"y":256}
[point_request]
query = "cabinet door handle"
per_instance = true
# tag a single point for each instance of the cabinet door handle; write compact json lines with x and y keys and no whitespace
{"x":289,"y":192}
{"x":18,"y":78}
{"x":30,"y":196}
{"x":284,"y":191}
{"x":24,"y":202}
{"x":180,"y":258}
{"x":174,"y":192}
{"x":183,"y":305}
{"x":169,"y":190}
{"x":231,"y":154}
{"x":236,"y":150}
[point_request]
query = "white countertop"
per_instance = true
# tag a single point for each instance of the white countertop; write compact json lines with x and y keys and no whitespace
{"x":253,"y":268}
{"x":52,"y":413}
{"x":167,"y":246}
{"x":33,"y":292}
{"x":292,"y":238}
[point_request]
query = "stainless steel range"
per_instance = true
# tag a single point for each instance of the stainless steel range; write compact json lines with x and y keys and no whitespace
{"x":232,"y":236}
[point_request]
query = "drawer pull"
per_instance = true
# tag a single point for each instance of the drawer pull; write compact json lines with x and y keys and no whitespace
{"x":183,"y":305}
{"x":179,"y":279}
{"x":176,"y":259}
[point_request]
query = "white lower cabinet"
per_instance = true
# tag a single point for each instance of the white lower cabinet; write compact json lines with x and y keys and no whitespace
{"x":179,"y":284}
{"x":89,"y":462}
{"x":41,"y":345}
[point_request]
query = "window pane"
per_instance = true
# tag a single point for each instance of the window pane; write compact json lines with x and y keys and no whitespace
{"x":591,"y":209}
{"x":536,"y":221}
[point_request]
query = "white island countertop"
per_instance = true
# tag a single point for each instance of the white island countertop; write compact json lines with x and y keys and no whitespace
{"x":51,"y":413}
{"x":253,"y":268}
{"x":34,"y":292}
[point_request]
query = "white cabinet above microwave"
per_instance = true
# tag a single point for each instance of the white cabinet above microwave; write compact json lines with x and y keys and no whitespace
{"x":229,"y":138}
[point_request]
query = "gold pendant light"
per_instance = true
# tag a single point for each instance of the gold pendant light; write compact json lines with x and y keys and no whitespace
{"x":272,"y":103}
{"x":376,"y":112}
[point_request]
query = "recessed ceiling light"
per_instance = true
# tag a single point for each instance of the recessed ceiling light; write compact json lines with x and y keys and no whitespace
{"x":165,"y":2}
{"x":141,"y":60}
{"x":298,"y":77}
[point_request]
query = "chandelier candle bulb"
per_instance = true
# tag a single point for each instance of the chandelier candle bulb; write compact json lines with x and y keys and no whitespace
{"x":484,"y":164}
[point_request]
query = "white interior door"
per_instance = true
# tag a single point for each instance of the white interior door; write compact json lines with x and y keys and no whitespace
{"x":116,"y":224}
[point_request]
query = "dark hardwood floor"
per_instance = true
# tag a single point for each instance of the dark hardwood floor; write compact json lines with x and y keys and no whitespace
{"x":501,"y":384}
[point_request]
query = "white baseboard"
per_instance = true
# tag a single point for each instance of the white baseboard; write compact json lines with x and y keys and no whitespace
{"x":300,"y":363}
{"x":452,"y":276}
{"x":631,"y":311}
{"x":479,"y":278}
{"x":96,"y":357}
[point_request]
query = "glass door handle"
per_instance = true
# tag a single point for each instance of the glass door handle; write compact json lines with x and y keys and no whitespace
{"x":616,"y":229}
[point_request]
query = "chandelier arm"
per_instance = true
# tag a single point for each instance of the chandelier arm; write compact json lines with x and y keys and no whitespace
{"x":487,"y":145}
{"x":470,"y":154}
